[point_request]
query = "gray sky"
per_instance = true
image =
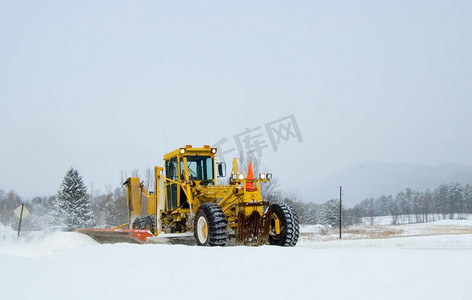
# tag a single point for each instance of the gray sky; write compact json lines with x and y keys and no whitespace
{"x":110,"y":86}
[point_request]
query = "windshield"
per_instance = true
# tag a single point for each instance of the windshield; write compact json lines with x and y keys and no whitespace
{"x":199,"y":167}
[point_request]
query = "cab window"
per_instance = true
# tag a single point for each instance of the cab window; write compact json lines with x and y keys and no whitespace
{"x":199,"y":167}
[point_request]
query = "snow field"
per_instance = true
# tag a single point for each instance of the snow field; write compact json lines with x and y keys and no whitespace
{"x":68,"y":265}
{"x":387,"y":235}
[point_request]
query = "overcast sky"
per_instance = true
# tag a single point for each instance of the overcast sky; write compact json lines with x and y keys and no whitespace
{"x":110,"y":86}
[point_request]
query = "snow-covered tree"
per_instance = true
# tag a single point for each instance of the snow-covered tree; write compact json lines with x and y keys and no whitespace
{"x":10,"y":201}
{"x":428,"y":205}
{"x":72,"y":205}
{"x":40,"y":217}
{"x":468,"y":198}
{"x":331,"y":210}
{"x":110,"y":209}
{"x":456,"y":201}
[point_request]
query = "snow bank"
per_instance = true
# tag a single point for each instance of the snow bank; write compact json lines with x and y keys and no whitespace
{"x":6,"y":233}
{"x":68,"y":265}
{"x":126,"y":271}
{"x":39,"y":245}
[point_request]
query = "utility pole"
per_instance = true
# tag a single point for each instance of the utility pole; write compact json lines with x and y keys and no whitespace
{"x":340,"y":211}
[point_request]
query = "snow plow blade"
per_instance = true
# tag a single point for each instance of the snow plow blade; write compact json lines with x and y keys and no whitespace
{"x":111,"y":236}
{"x":186,"y":238}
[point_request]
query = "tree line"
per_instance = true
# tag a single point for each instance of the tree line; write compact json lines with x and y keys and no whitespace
{"x":73,"y":206}
{"x":96,"y":209}
{"x":452,"y":201}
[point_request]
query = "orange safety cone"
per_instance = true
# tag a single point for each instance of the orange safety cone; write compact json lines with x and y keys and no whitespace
{"x":250,"y":176}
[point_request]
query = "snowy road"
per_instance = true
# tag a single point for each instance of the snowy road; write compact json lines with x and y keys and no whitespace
{"x":71,"y":266}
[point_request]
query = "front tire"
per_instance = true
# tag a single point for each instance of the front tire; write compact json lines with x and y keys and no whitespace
{"x":289,"y":227}
{"x":210,"y":225}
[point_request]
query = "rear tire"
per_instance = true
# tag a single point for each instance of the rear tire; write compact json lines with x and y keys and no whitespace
{"x":149,"y":224}
{"x":144,"y":223}
{"x":210,"y":225}
{"x":289,"y":227}
{"x":139,"y":222}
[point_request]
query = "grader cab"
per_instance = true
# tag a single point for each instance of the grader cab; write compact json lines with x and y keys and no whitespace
{"x":189,"y":197}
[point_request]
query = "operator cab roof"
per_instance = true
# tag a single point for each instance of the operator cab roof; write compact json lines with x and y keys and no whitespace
{"x":188,"y":150}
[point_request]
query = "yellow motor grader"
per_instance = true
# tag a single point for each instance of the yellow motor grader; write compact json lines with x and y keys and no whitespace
{"x":188,"y":197}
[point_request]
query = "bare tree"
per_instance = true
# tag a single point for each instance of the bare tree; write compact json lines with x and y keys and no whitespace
{"x":10,"y":201}
{"x":249,"y":157}
{"x":149,"y":179}
{"x":270,"y":190}
{"x":394,"y":210}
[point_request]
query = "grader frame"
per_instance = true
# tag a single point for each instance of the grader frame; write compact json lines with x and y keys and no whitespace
{"x":188,"y":197}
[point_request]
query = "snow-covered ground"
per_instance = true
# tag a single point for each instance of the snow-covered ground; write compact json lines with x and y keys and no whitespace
{"x":407,"y":265}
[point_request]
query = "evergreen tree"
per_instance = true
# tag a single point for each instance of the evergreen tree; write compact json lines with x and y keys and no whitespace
{"x":428,"y":205}
{"x":332,"y":213}
{"x":40,"y":216}
{"x":440,"y":200}
{"x":456,"y":201}
{"x":468,"y":199}
{"x":72,"y":205}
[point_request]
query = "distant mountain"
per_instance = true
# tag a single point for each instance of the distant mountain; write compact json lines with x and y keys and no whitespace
{"x":375,"y":179}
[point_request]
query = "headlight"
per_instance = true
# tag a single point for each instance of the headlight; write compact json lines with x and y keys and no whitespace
{"x":234,"y":176}
{"x":182,"y":150}
{"x":262,"y":176}
{"x":241,"y":176}
{"x":213,"y":150}
{"x":269,"y":175}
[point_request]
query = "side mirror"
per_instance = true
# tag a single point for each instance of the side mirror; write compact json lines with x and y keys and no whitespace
{"x":221,"y":169}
